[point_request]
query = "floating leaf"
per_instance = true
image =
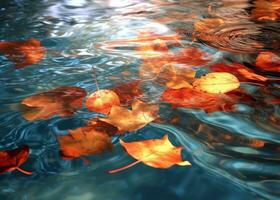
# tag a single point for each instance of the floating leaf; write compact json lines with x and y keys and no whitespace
{"x":84,"y":141}
{"x":23,"y":53}
{"x":193,"y":99}
{"x":131,"y":120}
{"x":216,"y":82}
{"x":158,"y":153}
{"x":11,"y":160}
{"x":63,"y":101}
{"x":102,"y":101}
{"x":266,"y":10}
{"x":242,"y":72}
{"x":268,"y":61}
{"x":127,"y":92}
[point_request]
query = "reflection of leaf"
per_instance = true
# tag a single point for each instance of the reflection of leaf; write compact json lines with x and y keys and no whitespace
{"x":158,"y":153}
{"x":186,"y":58}
{"x":84,"y":141}
{"x":131,"y":120}
{"x":176,"y":78}
{"x":242,"y":72}
{"x":63,"y":101}
{"x":266,"y":10}
{"x":102,"y":101}
{"x":11,"y":160}
{"x":268,"y":61}
{"x":23,"y":53}
{"x":193,"y":99}
{"x":216,"y":82}
{"x":127,"y":92}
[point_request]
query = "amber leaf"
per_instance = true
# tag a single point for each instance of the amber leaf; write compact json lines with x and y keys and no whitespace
{"x":102,"y":101}
{"x":216,"y":82}
{"x":157,"y":153}
{"x":131,"y":120}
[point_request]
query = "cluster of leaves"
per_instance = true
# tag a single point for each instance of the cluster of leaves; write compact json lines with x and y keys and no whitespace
{"x":218,"y":90}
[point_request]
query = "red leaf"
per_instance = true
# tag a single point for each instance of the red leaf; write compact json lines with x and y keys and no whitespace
{"x":63,"y":101}
{"x":11,"y":160}
{"x":23,"y":53}
{"x":190,"y":98}
{"x":268,"y":61}
{"x":242,"y":72}
{"x":127,"y":92}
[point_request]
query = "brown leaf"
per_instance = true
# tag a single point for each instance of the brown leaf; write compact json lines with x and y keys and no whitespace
{"x":23,"y":53}
{"x":63,"y":101}
{"x":11,"y":160}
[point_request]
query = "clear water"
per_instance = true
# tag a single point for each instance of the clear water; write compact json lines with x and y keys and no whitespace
{"x":75,"y":34}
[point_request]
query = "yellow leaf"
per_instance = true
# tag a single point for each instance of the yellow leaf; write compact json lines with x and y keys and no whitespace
{"x":157,"y":153}
{"x":216,"y":82}
{"x":131,"y":120}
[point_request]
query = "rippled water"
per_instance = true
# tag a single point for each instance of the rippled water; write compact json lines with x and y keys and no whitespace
{"x":234,"y":155}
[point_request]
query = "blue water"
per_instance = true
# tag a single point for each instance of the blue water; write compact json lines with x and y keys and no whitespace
{"x":75,"y":34}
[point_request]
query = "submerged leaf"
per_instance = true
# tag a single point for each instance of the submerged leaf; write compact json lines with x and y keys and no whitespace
{"x":193,"y":99}
{"x":158,"y":153}
{"x":242,"y":72}
{"x":268,"y":61}
{"x":216,"y":82}
{"x":266,"y":10}
{"x":84,"y":141}
{"x":63,"y":101}
{"x":131,"y":120}
{"x":23,"y":53}
{"x":11,"y":160}
{"x":127,"y":92}
{"x":102,"y":101}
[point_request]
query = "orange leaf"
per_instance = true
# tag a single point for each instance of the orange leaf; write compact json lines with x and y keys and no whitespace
{"x":63,"y":101}
{"x":216,"y":82}
{"x":131,"y":120}
{"x":84,"y":141}
{"x":242,"y":72}
{"x":193,"y":99}
{"x":268,"y":61}
{"x":102,"y":101}
{"x":23,"y":53}
{"x":266,"y":10}
{"x":11,"y":160}
{"x":158,"y":153}
{"x":127,"y":92}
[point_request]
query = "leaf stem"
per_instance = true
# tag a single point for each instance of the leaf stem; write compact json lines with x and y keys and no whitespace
{"x":23,"y":171}
{"x":125,"y":167}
